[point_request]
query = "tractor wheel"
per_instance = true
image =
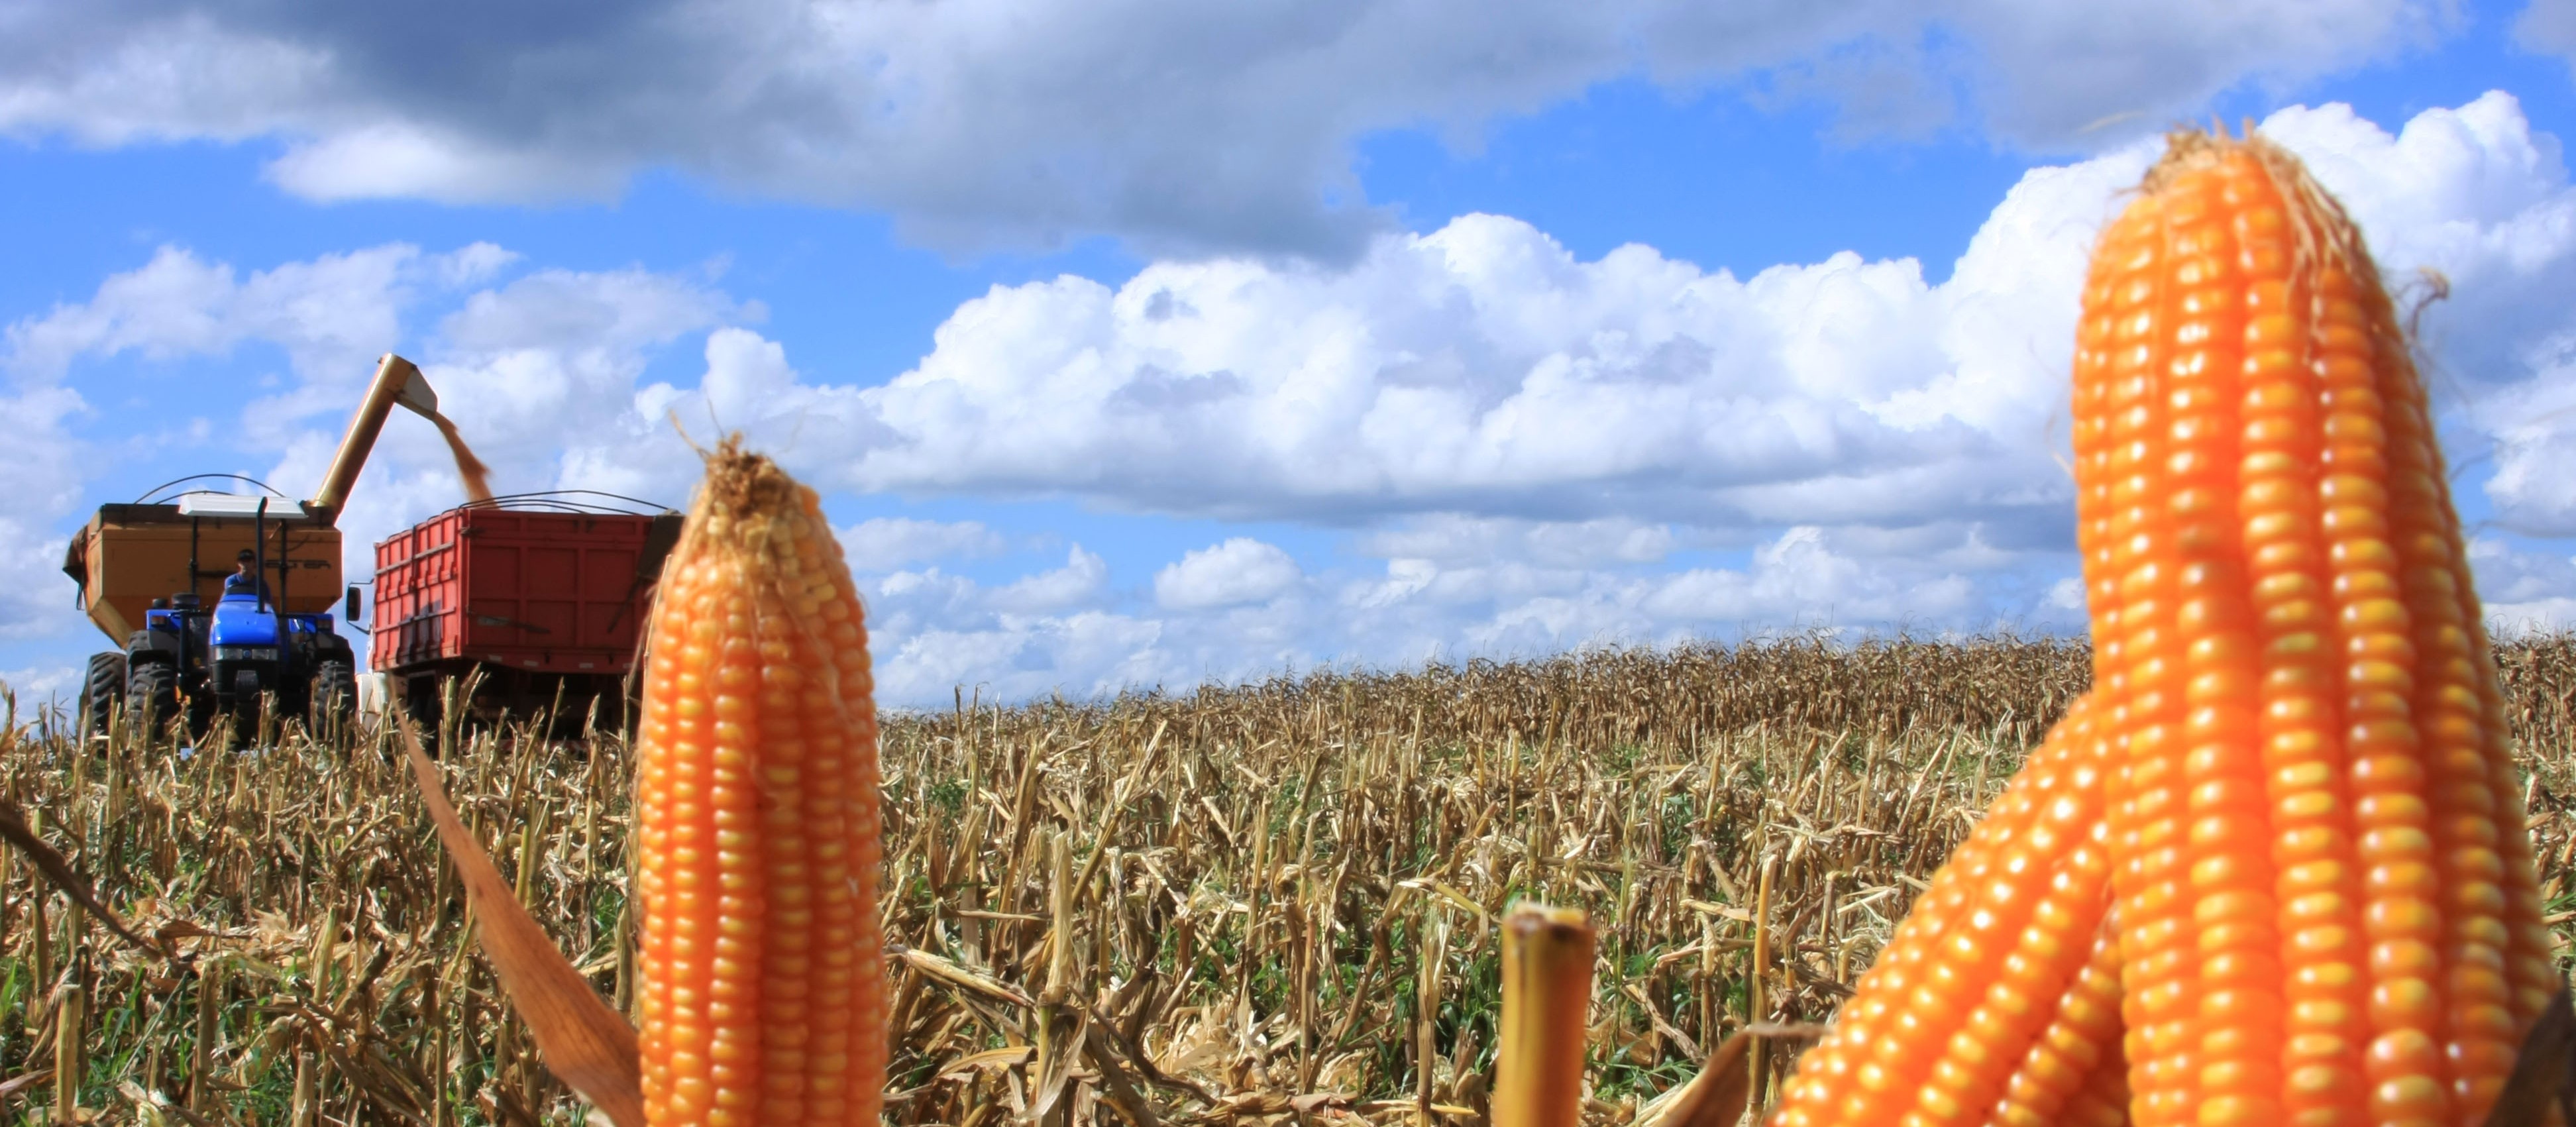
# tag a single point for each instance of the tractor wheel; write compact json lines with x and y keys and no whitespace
{"x":152,"y":696}
{"x":100,"y":690}
{"x":333,"y":697}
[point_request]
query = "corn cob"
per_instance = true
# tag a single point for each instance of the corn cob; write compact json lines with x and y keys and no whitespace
{"x":2325,"y":907}
{"x":1972,"y":977}
{"x":761,"y":966}
{"x":2074,"y":1071}
{"x":2328,"y":912}
{"x":2104,"y":1099}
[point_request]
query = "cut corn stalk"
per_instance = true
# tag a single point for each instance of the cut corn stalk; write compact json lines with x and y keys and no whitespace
{"x":585,"y":1044}
{"x":1547,"y":998}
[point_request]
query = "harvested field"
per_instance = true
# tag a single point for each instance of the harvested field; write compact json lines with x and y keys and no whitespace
{"x":1277,"y":900}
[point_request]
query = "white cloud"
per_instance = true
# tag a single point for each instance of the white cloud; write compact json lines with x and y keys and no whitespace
{"x":1802,"y":577}
{"x":1450,"y":538}
{"x":540,"y":374}
{"x":2534,"y":428}
{"x":45,"y":471}
{"x":887,"y":543}
{"x":397,"y":160}
{"x":36,"y":688}
{"x":1802,"y":574}
{"x":748,"y":386}
{"x":1240,"y":570}
{"x":1081,"y":580}
{"x":331,"y":314}
{"x":1015,"y":121}
{"x":1483,"y":370}
{"x":2525,"y":590}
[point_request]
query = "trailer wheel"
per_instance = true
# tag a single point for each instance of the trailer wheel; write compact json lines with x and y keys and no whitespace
{"x":334,"y":697}
{"x":420,"y":696}
{"x":152,"y":696}
{"x":100,"y":691}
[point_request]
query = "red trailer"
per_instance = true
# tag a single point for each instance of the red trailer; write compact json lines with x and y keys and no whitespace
{"x":542,"y":595}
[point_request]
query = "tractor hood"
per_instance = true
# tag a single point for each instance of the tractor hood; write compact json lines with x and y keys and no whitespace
{"x":239,"y":621}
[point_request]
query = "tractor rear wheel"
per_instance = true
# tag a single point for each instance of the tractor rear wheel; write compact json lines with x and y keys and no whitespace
{"x":152,"y":696}
{"x":334,"y":697}
{"x":100,"y":691}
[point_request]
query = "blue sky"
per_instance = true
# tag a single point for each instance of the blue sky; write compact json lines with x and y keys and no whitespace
{"x":1152,"y":342}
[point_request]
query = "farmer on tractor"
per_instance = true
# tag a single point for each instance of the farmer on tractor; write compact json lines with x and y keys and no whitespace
{"x":245,"y":576}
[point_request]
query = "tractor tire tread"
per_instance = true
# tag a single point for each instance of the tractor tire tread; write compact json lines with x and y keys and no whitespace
{"x":102,"y":688}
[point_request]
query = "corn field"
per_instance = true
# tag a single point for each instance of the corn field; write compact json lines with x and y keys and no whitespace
{"x":1267,"y":902}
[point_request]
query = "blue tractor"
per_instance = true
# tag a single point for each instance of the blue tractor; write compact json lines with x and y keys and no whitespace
{"x":232,"y":655}
{"x":268,"y":634}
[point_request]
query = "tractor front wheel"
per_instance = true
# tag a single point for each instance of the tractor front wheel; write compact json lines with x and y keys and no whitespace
{"x":333,"y":697}
{"x":152,"y":696}
{"x":100,"y":690}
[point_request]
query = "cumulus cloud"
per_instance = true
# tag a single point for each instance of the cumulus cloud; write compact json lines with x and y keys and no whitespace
{"x":45,"y":474}
{"x":1450,"y":538}
{"x":330,"y":314}
{"x":1801,"y":571}
{"x":1012,"y":121}
{"x":38,"y":687}
{"x":2053,"y":69}
{"x":888,"y":543}
{"x":1079,"y":582}
{"x":1484,"y":371}
{"x":2533,"y":425}
{"x":543,"y":370}
{"x":1240,"y":570}
{"x":748,"y":386}
{"x":2525,"y":588}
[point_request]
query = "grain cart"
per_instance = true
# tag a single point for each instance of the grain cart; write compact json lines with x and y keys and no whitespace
{"x":530,"y":604}
{"x":153,"y":576}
